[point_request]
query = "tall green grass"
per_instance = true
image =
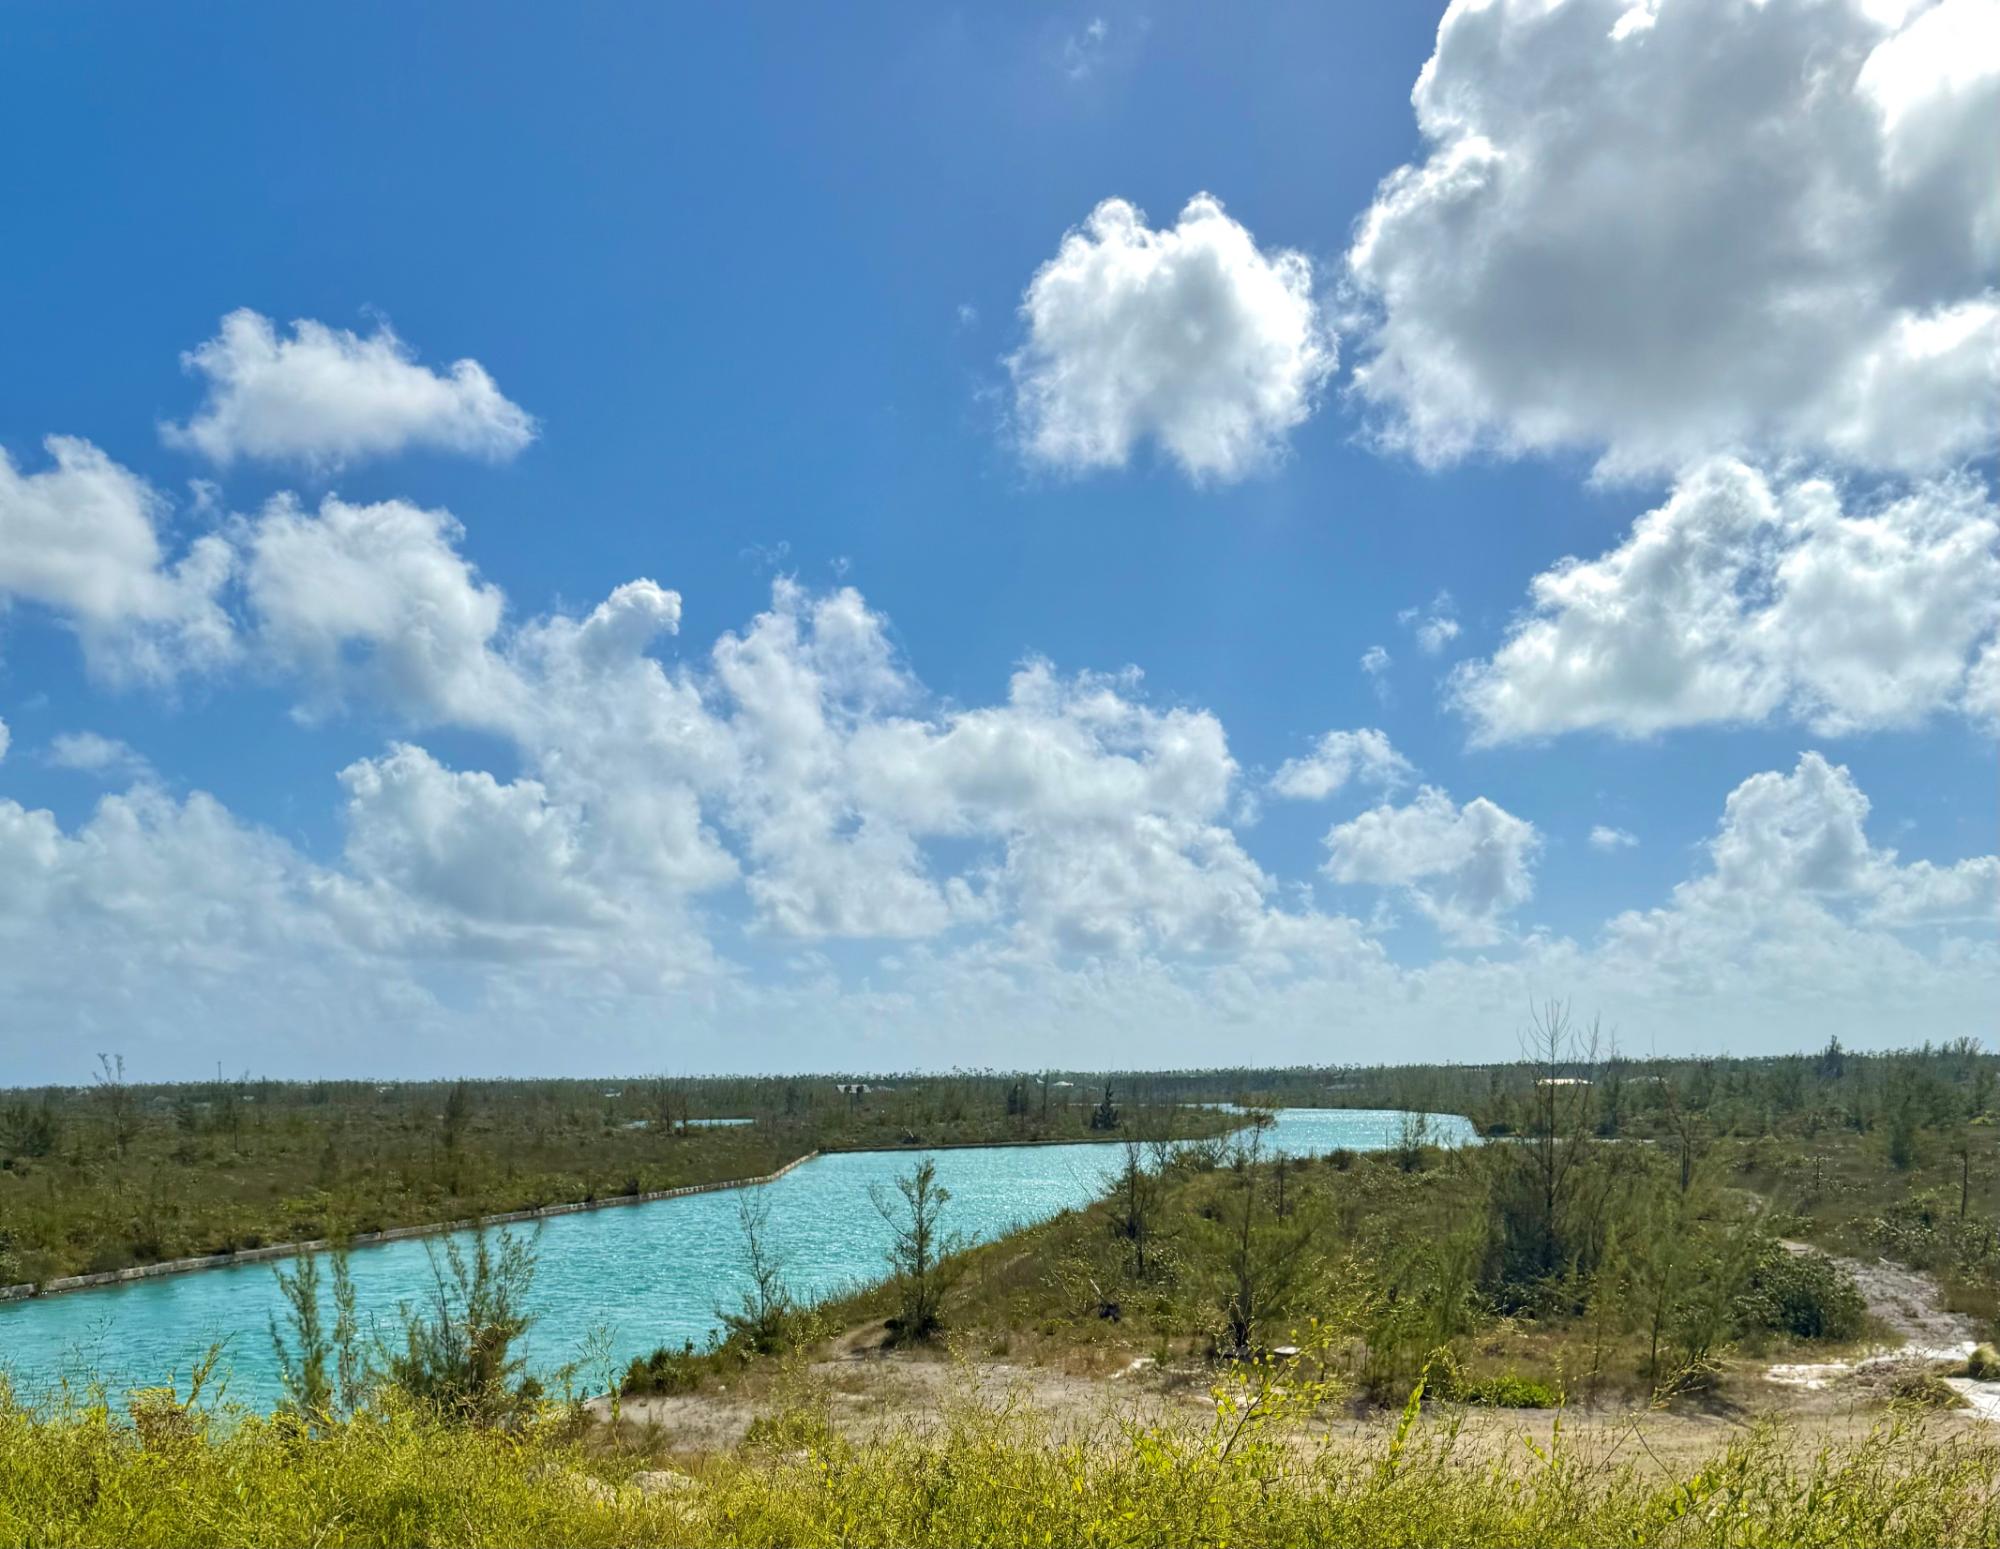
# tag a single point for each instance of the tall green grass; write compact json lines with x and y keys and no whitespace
{"x":978,"y":1474}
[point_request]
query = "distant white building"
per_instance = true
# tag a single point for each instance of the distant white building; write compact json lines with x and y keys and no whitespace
{"x":1561,"y":1081}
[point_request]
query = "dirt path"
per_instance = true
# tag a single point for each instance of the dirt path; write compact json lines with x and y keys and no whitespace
{"x":1908,"y":1304}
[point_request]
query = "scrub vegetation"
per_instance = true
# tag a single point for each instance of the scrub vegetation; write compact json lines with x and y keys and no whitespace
{"x":1629,"y":1238}
{"x":110,"y":1174}
{"x":171,"y":1476}
{"x":1625,"y":1232}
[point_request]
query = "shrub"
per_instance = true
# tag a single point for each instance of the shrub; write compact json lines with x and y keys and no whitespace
{"x":1916,"y":1388}
{"x":1509,"y":1390}
{"x":460,"y":1352}
{"x":765,"y":1320}
{"x":1983,"y":1365}
{"x":1804,"y":1294}
{"x":920,"y":1251}
{"x":664,"y":1371}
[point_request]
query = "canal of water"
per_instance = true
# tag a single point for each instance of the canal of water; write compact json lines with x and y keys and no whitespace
{"x":644,"y":1275}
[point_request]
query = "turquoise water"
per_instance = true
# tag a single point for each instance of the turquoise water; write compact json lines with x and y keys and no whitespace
{"x":649,"y":1274}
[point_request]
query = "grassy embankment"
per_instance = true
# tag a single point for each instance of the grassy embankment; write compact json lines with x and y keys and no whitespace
{"x":1393,"y":1254}
{"x":981,"y":1476}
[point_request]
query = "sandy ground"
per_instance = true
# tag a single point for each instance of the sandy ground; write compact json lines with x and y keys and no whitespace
{"x":1924,"y":1333}
{"x":872,"y":1390}
{"x":1906,"y":1303}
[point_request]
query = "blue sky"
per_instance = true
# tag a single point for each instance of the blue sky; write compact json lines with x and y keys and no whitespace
{"x":763,"y":299}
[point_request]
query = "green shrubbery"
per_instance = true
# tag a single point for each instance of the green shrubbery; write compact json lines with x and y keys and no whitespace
{"x":458,"y":1355}
{"x":1803,"y":1294}
{"x":1507,"y":1391}
{"x":1919,"y":1389}
{"x":400,"y":1475}
{"x":665,"y":1371}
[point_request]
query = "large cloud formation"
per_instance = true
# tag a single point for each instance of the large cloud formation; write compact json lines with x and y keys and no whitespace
{"x":1799,"y":909}
{"x":1742,"y":598}
{"x":1190,"y":336}
{"x":790,"y":830}
{"x":1047,"y":869}
{"x":1062,"y":863}
{"x":326,"y":397}
{"x":1660,"y":229}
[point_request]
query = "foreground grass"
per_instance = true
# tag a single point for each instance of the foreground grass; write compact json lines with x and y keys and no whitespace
{"x":978,"y":1476}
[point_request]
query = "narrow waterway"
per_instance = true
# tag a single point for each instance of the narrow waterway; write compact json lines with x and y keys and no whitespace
{"x":645,"y":1275}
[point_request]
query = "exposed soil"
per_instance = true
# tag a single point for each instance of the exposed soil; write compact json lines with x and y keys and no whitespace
{"x":1909,"y":1307}
{"x":1907,"y":1303}
{"x":873,"y":1390}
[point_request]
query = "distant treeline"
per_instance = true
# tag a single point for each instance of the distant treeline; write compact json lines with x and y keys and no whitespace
{"x":111,"y":1172}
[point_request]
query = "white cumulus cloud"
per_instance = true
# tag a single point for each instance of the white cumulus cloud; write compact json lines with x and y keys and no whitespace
{"x":477,"y":860}
{"x":86,"y":539}
{"x":325,"y":397}
{"x":1743,"y":598}
{"x":378,"y":595}
{"x":1799,"y":909}
{"x":1338,"y":757}
{"x":1191,"y":337}
{"x":1464,"y":867}
{"x":1658,"y":232}
{"x":1608,"y":839}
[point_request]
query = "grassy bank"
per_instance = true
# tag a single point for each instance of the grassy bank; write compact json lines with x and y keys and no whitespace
{"x":1629,"y":1291}
{"x":977,"y":1476}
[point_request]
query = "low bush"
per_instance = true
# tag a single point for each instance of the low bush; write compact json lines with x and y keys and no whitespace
{"x":1917,"y":1387}
{"x":1803,"y":1294}
{"x":664,"y":1371}
{"x":1509,"y":1390}
{"x":1920,"y":1389}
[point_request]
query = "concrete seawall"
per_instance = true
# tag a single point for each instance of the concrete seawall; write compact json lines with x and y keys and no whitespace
{"x":285,"y":1250}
